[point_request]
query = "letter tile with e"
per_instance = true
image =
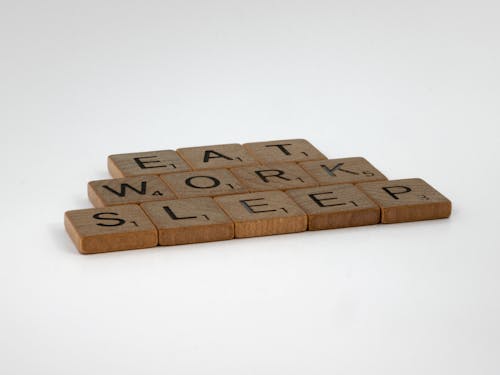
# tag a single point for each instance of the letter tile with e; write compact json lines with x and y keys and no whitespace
{"x":146,"y":163}
{"x":263,"y":213}
{"x":336,"y":206}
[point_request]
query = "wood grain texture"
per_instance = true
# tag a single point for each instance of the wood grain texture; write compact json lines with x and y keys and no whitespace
{"x":279,"y":176}
{"x":407,"y":200}
{"x":285,"y":150}
{"x":217,"y":156}
{"x":336,"y":206}
{"x":343,"y":171}
{"x":192,"y":220}
{"x":128,"y":190}
{"x":210,"y":182}
{"x":99,"y":230}
{"x":220,"y":192}
{"x":146,"y":163}
{"x":263,"y":213}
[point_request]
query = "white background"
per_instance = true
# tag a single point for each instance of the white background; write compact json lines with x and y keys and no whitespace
{"x":412,"y":86}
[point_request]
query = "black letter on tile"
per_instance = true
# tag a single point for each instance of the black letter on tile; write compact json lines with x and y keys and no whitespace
{"x":142,"y":164}
{"x":320,"y":201}
{"x":215,"y":182}
{"x":282,"y":148}
{"x":249,"y":208}
{"x":171,"y":213}
{"x":123,"y":189}
{"x":118,"y":221}
{"x":207,"y":157}
{"x":394,"y":194}
{"x":276,"y":173}
{"x":331,"y":171}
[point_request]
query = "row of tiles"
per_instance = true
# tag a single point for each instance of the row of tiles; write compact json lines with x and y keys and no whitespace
{"x":216,"y":182}
{"x":205,"y":219}
{"x":211,"y":157}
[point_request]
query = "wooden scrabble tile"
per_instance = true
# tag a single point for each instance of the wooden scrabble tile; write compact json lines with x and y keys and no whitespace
{"x":279,"y":176}
{"x":287,"y":150}
{"x":342,"y":171}
{"x":99,"y":230}
{"x":263,"y":213}
{"x":128,"y":190}
{"x":146,"y":163}
{"x":192,"y":220}
{"x":217,"y":156}
{"x":407,"y":200}
{"x":206,"y":183}
{"x":336,"y":206}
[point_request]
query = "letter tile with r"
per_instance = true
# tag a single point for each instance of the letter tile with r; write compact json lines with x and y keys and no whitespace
{"x":279,"y":176}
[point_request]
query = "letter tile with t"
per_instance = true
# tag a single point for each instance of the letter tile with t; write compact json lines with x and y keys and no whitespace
{"x":287,"y":150}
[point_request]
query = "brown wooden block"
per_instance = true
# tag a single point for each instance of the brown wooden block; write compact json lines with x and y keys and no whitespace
{"x":128,"y":190}
{"x":336,"y":206}
{"x":263,"y":213}
{"x":286,"y":150}
{"x":279,"y":176}
{"x":184,"y":221}
{"x":146,"y":163}
{"x":343,"y":171}
{"x":217,"y":156}
{"x":206,"y":183}
{"x":407,"y":200}
{"x":99,"y":230}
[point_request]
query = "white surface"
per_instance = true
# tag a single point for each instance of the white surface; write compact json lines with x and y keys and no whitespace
{"x":412,"y":86}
